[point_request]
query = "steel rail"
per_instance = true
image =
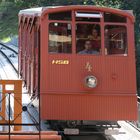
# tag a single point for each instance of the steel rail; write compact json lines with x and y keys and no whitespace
{"x":4,"y":55}
{"x":133,"y":125}
{"x":130,"y":122}
{"x":35,"y":124}
{"x":3,"y":71}
{"x":138,"y":99}
{"x":17,"y":73}
{"x":2,"y":44}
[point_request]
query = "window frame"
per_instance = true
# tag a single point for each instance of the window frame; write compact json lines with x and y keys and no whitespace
{"x":102,"y":25}
{"x":60,"y":21}
{"x":117,"y":24}
{"x":91,"y":23}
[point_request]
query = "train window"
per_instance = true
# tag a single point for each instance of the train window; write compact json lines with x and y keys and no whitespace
{"x":115,"y":40}
{"x":88,"y":39}
{"x":109,"y":17}
{"x":60,"y":38}
{"x":60,"y":16}
{"x":88,"y":16}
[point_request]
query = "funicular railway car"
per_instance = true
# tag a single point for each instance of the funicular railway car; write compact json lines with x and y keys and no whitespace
{"x":81,"y":60}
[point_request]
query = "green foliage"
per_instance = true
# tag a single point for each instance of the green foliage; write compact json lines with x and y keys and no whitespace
{"x":62,"y":2}
{"x":8,"y":19}
{"x":109,"y":3}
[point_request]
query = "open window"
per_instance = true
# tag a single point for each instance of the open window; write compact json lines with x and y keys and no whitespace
{"x":60,"y":38}
{"x":115,"y":40}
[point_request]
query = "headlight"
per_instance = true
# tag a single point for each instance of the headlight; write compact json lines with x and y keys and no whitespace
{"x":91,"y":81}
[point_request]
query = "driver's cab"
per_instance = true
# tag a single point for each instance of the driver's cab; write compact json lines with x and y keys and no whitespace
{"x":107,"y":33}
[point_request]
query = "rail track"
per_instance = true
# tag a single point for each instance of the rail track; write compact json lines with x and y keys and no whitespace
{"x":10,"y":55}
{"x":2,"y":71}
{"x":138,"y":99}
{"x":8,"y":70}
{"x":10,"y":62}
{"x":13,"y":50}
{"x":135,"y":124}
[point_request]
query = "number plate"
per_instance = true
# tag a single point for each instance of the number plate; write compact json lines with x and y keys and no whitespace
{"x":69,"y":131}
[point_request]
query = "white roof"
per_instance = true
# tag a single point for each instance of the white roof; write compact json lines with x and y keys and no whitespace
{"x":32,"y":11}
{"x":38,"y":11}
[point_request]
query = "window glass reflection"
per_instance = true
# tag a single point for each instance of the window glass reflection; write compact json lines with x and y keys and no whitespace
{"x":115,"y":40}
{"x":60,"y":38}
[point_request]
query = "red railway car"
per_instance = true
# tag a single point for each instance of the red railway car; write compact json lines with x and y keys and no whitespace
{"x":81,"y":60}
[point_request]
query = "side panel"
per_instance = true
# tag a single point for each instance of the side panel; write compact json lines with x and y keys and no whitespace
{"x":88,"y":107}
{"x":36,"y":61}
{"x":43,"y":55}
{"x":25,"y":52}
{"x":33,"y":63}
{"x":32,"y":59}
{"x":29,"y":57}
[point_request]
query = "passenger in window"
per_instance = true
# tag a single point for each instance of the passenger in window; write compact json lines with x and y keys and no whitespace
{"x":89,"y":49}
{"x":94,"y":35}
{"x":96,"y":39}
{"x":82,"y":31}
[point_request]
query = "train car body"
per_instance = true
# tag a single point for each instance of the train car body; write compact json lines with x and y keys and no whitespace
{"x":73,"y":85}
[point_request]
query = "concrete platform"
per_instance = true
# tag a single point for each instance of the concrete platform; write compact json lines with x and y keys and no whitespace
{"x":128,"y":133}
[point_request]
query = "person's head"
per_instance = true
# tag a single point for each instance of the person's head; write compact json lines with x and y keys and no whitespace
{"x":88,"y":45}
{"x":94,"y":32}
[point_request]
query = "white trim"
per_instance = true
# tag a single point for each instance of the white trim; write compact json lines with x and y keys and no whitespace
{"x":92,"y":15}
